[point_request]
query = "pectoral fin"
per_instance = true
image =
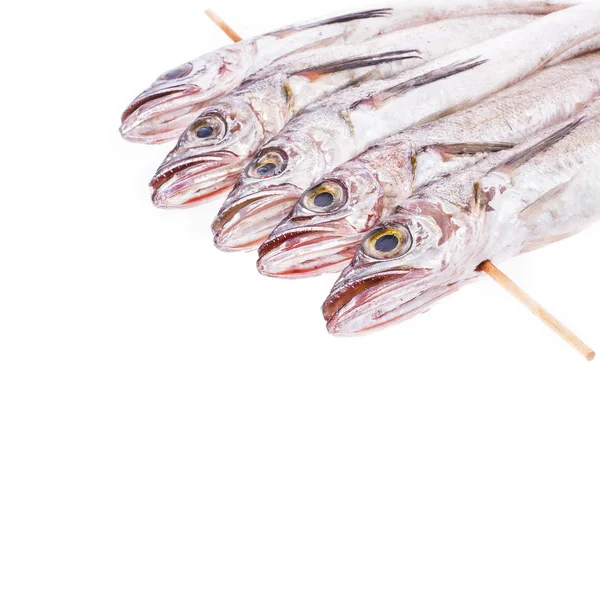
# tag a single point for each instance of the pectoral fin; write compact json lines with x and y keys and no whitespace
{"x":420,"y":80}
{"x":450,"y":151}
{"x":357,"y":16}
{"x":359,"y":62}
{"x":528,"y":153}
{"x":543,"y":203}
{"x":564,"y":210}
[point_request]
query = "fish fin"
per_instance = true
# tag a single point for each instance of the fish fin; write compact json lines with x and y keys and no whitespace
{"x":445,"y":113}
{"x":357,"y":16}
{"x":480,"y":202}
{"x":420,"y":80}
{"x":528,"y":153}
{"x":359,"y":62}
{"x":564,"y":210}
{"x":535,"y":209}
{"x":448,"y":151}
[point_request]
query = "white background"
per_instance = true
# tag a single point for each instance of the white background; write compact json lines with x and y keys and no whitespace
{"x":175,"y":426}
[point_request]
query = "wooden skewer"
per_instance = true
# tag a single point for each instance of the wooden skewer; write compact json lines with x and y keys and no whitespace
{"x":539,"y":311}
{"x":487,"y":267}
{"x":214,"y":17}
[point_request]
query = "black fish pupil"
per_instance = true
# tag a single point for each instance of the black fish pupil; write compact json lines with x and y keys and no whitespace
{"x":323,"y":200}
{"x":386,"y":243}
{"x":266,"y":169}
{"x":204,"y":131}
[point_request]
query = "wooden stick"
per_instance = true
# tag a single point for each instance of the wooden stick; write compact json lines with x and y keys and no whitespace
{"x":539,"y":311}
{"x":214,"y":17}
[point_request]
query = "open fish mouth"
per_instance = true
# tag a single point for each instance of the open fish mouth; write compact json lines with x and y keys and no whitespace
{"x":307,"y":251}
{"x":159,"y":115}
{"x":188,"y":181}
{"x":372,"y":302}
{"x":247,"y":222}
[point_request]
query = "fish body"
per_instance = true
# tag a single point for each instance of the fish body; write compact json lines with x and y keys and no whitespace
{"x":164,"y":109}
{"x":203,"y":164}
{"x":318,"y":237}
{"x":334,"y":131}
{"x":509,"y":203}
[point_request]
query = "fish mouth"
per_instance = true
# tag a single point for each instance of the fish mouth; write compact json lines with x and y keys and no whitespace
{"x":193,"y":180}
{"x":372,"y":302}
{"x":307,"y":251}
{"x":159,"y":115}
{"x":246,"y":222}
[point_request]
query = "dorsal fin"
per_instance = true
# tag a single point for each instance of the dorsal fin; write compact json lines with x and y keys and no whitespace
{"x":528,"y":153}
{"x":357,"y":16}
{"x":357,"y":62}
{"x":420,"y":80}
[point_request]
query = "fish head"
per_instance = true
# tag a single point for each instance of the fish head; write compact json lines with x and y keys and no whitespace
{"x":404,"y":264}
{"x":326,"y":224}
{"x":266,"y":191}
{"x":161,"y":111}
{"x":209,"y":155}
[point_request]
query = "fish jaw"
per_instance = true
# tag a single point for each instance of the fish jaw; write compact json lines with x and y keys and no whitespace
{"x":373,"y":292}
{"x":197,"y":169}
{"x":305,"y":251}
{"x":170,"y":104}
{"x":362,"y":305}
{"x":192,"y":180}
{"x":245,"y":221}
{"x":159,"y":114}
{"x":309,"y":243}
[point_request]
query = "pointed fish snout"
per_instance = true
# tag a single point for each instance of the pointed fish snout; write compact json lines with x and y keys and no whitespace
{"x":159,"y":114}
{"x":305,"y":251}
{"x":190,"y":180}
{"x":245,"y":222}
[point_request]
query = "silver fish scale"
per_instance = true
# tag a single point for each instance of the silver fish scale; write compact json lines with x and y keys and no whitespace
{"x":511,"y":114}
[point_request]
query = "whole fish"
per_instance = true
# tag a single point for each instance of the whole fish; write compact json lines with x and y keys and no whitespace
{"x":163,"y":110}
{"x":328,"y":222}
{"x":510,"y":203}
{"x":215,"y":148}
{"x":332,"y":132}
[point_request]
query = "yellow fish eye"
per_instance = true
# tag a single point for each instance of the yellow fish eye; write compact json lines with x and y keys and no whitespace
{"x":387,"y":241}
{"x":325,"y":197}
{"x":269,"y":162}
{"x":207,"y":129}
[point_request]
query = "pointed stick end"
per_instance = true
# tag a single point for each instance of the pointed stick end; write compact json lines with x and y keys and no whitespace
{"x":512,"y":288}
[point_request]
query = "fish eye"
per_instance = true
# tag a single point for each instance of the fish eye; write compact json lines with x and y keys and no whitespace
{"x":177,"y":72}
{"x":207,"y":129}
{"x":325,"y":197}
{"x":387,"y":241}
{"x":269,"y":162}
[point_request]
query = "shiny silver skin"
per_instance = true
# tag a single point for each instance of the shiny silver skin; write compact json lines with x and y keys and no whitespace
{"x":311,"y":241}
{"x":497,"y":209}
{"x":162,"y":111}
{"x":332,"y":132}
{"x":199,"y":168}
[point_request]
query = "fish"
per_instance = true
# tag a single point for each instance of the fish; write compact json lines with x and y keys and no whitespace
{"x":329,"y":221}
{"x":333,"y":131}
{"x":215,"y":148}
{"x":511,"y":202}
{"x":163,"y":110}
